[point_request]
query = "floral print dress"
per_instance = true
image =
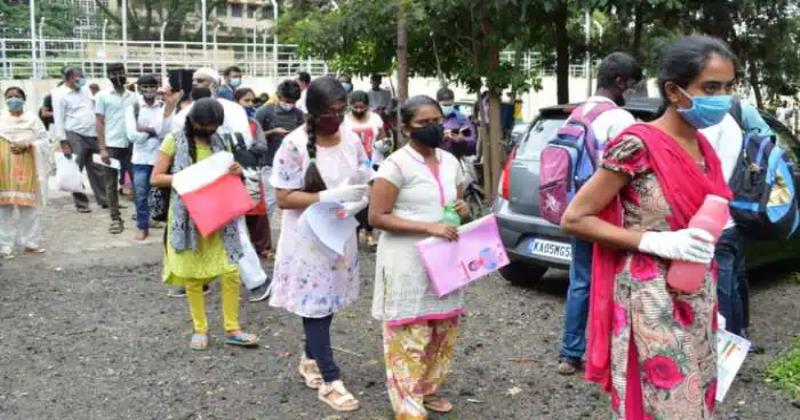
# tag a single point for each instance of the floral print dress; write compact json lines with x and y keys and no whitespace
{"x":673,"y":333}
{"x":309,"y":279}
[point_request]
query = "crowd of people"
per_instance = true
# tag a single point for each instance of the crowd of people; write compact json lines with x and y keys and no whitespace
{"x":319,"y":141}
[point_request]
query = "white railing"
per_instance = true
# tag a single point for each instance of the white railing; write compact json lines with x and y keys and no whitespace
{"x":258,"y":58}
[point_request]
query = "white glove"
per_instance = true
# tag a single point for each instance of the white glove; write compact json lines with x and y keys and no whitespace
{"x":692,"y":245}
{"x":352,"y":208}
{"x":383,"y":145}
{"x":344,"y":194}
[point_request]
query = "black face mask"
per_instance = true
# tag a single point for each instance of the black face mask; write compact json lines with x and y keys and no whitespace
{"x":359,"y":114}
{"x":118,"y":81}
{"x":430,"y":135}
{"x":203,"y":133}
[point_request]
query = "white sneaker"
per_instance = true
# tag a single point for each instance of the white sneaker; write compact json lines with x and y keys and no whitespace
{"x":6,"y":253}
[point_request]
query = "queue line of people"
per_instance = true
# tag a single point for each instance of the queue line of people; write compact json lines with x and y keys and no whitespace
{"x":651,"y":348}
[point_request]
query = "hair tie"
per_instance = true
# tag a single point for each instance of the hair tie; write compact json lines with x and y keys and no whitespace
{"x":312,"y":160}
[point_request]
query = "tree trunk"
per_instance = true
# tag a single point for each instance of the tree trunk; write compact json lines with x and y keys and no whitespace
{"x":755,"y":84}
{"x":637,"y":29}
{"x":495,"y":128}
{"x":562,"y":53}
{"x":402,"y":52}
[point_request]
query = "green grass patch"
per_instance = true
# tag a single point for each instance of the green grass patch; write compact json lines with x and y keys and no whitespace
{"x":784,"y":372}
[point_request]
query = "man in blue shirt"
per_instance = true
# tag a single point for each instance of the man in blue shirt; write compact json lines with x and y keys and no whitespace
{"x":233,"y":81}
{"x":112,"y":137}
{"x":459,"y":132}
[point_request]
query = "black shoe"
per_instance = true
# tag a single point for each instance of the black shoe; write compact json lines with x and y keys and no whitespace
{"x":260,"y":293}
{"x":568,"y":365}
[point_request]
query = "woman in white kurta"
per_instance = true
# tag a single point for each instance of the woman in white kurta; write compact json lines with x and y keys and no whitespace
{"x":409,"y":196}
{"x":318,"y":163}
{"x":24,"y":152}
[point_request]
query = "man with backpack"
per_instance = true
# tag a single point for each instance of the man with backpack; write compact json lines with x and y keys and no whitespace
{"x":603,"y":119}
{"x":727,"y":139}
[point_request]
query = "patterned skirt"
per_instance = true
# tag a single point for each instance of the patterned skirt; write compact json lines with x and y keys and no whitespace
{"x":19,"y":184}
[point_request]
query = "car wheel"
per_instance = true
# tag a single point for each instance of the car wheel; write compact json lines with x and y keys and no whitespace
{"x":521,"y":273}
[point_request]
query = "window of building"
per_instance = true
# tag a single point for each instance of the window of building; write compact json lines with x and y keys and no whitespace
{"x":236,"y":10}
{"x":251,"y":11}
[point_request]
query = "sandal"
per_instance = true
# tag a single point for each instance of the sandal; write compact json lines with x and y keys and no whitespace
{"x":84,"y":210}
{"x":34,"y":249}
{"x":344,"y":401}
{"x":242,"y":339}
{"x":199,"y":342}
{"x":116,"y":227}
{"x":310,"y":372}
{"x":437,"y":404}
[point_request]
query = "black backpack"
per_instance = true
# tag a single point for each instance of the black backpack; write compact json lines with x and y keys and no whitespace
{"x":247,"y":158}
{"x":764,"y":203}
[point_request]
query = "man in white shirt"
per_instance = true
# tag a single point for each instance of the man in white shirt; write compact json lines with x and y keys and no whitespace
{"x":732,"y":285}
{"x":617,"y":75}
{"x":303,"y":79}
{"x":75,"y":127}
{"x":146,"y":125}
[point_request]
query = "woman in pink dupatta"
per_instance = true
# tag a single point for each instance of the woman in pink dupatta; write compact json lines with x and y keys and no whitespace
{"x":651,"y":347}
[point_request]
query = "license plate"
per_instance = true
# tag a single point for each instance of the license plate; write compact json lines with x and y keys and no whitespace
{"x":550,"y":249}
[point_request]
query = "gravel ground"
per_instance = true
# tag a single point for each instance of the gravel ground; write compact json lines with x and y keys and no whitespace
{"x":89,"y":334}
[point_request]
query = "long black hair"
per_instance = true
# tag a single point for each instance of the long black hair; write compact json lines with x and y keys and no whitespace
{"x":320,"y":95}
{"x":204,"y":111}
{"x":684,"y":60}
{"x":16,"y":89}
{"x":359,"y":96}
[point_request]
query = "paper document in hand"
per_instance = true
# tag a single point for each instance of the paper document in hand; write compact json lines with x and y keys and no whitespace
{"x":452,"y":265}
{"x":731,"y":351}
{"x":321,"y":220}
{"x":212,"y":196}
{"x":113,"y":163}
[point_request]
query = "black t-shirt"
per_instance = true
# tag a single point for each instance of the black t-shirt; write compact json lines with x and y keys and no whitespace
{"x":273,"y":116}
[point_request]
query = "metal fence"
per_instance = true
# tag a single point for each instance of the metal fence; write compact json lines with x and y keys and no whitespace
{"x":261,"y":59}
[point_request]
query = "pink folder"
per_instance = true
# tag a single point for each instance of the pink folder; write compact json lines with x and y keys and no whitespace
{"x":211,"y":195}
{"x":452,"y":265}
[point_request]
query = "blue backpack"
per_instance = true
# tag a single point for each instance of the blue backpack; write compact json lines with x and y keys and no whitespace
{"x":764,"y":203}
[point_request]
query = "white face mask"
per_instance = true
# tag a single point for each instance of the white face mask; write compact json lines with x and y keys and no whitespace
{"x":286,"y":107}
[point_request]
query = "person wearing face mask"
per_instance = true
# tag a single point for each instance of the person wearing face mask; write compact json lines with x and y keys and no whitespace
{"x":347,"y":82}
{"x":76,"y":129}
{"x":653,"y":348}
{"x":147,"y":122}
{"x":368,"y":126}
{"x":233,"y":81}
{"x":460,"y":137}
{"x":247,"y":99}
{"x":192,"y":260}
{"x":23,"y":175}
{"x":408,"y":200}
{"x":616,"y":76}
{"x":112,"y":137}
{"x":277,"y":120}
{"x":318,"y":163}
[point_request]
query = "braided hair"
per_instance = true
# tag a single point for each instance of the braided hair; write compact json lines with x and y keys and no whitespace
{"x":321,"y":93}
{"x":204,"y":112}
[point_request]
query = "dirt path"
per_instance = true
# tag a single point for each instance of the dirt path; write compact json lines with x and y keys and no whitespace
{"x":89,"y":334}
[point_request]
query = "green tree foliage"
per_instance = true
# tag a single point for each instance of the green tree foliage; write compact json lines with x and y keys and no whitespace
{"x":145,"y":18}
{"x":60,"y":19}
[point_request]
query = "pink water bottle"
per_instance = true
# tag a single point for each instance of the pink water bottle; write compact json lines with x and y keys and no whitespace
{"x":711,"y":217}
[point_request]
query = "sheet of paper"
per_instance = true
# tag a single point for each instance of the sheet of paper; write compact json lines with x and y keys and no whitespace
{"x":731,"y":352}
{"x":320,"y":219}
{"x":113,"y":165}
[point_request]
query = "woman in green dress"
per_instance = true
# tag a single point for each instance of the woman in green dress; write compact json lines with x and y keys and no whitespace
{"x":190,"y":260}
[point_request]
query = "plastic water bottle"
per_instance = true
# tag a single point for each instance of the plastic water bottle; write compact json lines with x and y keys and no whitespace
{"x":711,"y":217}
{"x":363,"y":174}
{"x":450,"y":216}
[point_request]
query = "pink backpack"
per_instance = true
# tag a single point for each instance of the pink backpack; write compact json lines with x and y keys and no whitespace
{"x":568,"y":161}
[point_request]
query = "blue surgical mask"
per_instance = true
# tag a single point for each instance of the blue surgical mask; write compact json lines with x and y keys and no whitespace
{"x":235,"y":83}
{"x":706,"y":111}
{"x":15,"y":104}
{"x":81,"y":82}
{"x":448,"y":110}
{"x":286,"y":107}
{"x":251,"y":111}
{"x":348,"y":87}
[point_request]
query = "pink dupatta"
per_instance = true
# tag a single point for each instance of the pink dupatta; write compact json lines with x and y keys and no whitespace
{"x":685,"y":187}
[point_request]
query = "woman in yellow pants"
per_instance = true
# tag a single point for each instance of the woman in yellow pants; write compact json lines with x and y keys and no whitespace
{"x":190,"y":260}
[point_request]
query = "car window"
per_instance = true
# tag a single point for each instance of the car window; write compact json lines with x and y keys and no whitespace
{"x":543,"y":130}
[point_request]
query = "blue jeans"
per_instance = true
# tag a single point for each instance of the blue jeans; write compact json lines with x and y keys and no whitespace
{"x":141,"y":187}
{"x":573,"y":343}
{"x":731,"y":279}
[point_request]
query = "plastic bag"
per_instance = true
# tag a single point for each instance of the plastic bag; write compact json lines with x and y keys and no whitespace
{"x":68,"y":174}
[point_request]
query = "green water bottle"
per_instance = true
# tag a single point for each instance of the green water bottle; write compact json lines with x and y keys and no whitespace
{"x":450,"y":217}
